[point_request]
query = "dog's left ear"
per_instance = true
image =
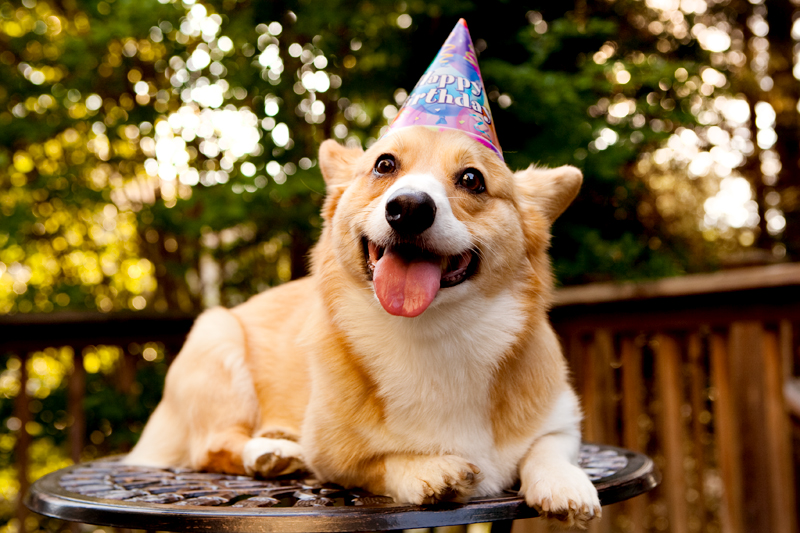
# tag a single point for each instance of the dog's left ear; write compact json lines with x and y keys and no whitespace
{"x":336,"y":163}
{"x":549,"y":190}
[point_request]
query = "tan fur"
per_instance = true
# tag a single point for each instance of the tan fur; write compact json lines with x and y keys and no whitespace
{"x":319,"y":360}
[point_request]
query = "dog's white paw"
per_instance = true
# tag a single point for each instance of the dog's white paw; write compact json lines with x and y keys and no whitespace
{"x":430,"y":479}
{"x":562,"y":491}
{"x":271,"y":457}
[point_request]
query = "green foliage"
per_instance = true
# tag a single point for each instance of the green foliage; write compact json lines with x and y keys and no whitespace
{"x":87,"y":140}
{"x":561,"y":95}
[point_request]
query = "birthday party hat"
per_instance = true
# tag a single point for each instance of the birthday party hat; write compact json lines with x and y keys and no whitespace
{"x":450,"y":95}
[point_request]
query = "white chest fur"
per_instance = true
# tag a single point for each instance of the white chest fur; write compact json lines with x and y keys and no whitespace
{"x":434,"y":374}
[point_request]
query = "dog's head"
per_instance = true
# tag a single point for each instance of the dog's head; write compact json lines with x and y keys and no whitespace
{"x":424,"y":218}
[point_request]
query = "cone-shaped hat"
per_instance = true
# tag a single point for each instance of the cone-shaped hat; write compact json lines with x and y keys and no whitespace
{"x":451,"y":95}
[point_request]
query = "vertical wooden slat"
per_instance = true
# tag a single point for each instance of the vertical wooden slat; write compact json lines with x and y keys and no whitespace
{"x":125,"y":372}
{"x":726,"y":438}
{"x":746,"y":366}
{"x":76,"y":391}
{"x":632,"y":409}
{"x":779,"y":455}
{"x":23,"y":413}
{"x":600,"y":408}
{"x":575,"y":352}
{"x":75,"y":394}
{"x":698,"y":386}
{"x":668,"y":364}
{"x":786,"y":340}
{"x":588,"y":393}
{"x":632,"y":393}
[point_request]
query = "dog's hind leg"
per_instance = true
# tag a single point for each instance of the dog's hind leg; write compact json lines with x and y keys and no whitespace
{"x":209,"y":408}
{"x":163,"y":442}
{"x":223,"y":452}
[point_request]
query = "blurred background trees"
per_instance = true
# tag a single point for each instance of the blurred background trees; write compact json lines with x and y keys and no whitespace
{"x":161,"y":155}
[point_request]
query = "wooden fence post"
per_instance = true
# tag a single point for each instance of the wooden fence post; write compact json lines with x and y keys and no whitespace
{"x":75,"y":394}
{"x":698,"y":403}
{"x":600,"y":408}
{"x":756,"y":376}
{"x":23,"y":414}
{"x":632,"y":408}
{"x":779,"y":451}
{"x":602,"y":414}
{"x":726,"y":438}
{"x":668,"y":366}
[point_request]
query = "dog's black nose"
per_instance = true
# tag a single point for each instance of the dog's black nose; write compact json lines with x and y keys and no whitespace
{"x":410,"y":212}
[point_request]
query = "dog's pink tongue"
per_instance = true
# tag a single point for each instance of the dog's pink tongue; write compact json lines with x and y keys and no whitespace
{"x":406,"y":288}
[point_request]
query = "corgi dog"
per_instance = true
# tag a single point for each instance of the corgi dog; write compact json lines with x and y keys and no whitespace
{"x":416,"y":361}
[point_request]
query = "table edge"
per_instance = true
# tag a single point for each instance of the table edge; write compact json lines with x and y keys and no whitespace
{"x":46,"y":497}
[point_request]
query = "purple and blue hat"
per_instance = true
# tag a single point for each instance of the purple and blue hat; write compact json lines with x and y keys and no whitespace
{"x":451,"y":95}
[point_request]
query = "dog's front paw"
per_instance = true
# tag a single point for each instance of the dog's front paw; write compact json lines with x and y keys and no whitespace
{"x":562,"y":491}
{"x":271,"y":457}
{"x":430,"y":479}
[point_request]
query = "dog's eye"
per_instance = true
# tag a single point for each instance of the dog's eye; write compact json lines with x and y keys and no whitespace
{"x":385,"y":165}
{"x":472,"y":180}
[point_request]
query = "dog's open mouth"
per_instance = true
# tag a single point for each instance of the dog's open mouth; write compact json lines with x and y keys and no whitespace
{"x":407,"y":278}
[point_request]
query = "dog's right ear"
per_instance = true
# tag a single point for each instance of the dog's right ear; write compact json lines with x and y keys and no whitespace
{"x":336,"y":163}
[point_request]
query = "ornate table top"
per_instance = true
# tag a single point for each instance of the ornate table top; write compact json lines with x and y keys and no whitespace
{"x":108,"y":493}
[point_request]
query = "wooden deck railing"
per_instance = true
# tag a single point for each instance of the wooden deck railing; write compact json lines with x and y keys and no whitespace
{"x":692,"y":371}
{"x":688,"y":370}
{"x":22,"y":335}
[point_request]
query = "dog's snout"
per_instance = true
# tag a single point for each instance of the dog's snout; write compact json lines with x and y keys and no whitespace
{"x":410,"y":212}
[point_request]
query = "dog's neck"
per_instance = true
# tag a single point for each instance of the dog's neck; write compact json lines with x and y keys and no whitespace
{"x":470,"y":332}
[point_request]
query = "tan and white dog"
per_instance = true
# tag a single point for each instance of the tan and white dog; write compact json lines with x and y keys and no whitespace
{"x":416,"y":361}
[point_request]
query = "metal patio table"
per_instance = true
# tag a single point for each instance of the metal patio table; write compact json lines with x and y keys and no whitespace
{"x":108,"y":493}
